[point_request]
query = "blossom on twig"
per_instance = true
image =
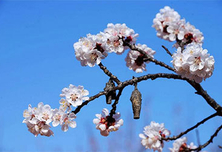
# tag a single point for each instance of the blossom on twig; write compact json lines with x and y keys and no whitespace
{"x":153,"y":133}
{"x":193,"y":63}
{"x":106,"y":123}
{"x":75,"y":95}
{"x":135,"y":60}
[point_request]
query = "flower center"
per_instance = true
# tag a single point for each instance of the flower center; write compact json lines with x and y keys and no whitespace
{"x":93,"y":56}
{"x":108,"y":121}
{"x":99,"y":47}
{"x":161,"y":134}
{"x":45,"y":116}
{"x":189,"y":37}
{"x":116,"y":43}
{"x":183,"y":147}
{"x":73,"y":97}
{"x":197,"y":60}
{"x":139,"y":61}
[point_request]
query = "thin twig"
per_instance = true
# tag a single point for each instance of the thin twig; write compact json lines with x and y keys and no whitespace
{"x":209,"y":141}
{"x":113,"y":111}
{"x":147,"y":57}
{"x":107,"y":72}
{"x":188,"y":130}
{"x":168,"y":52}
{"x":206,"y":96}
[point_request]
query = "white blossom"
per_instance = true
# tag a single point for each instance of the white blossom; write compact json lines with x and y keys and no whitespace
{"x":45,"y":114}
{"x":135,"y":60}
{"x":115,"y":35}
{"x":151,"y":139}
{"x":170,"y":27}
{"x":67,"y":121}
{"x":37,"y":119}
{"x":90,"y":50}
{"x":176,"y":30}
{"x":180,"y":145}
{"x":40,"y":128}
{"x":193,"y":62}
{"x":57,"y":117}
{"x":74,"y":95}
{"x":65,"y":105}
{"x":165,"y":22}
{"x":191,"y":35}
{"x":105,"y":123}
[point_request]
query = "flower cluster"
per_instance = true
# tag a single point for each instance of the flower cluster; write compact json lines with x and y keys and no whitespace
{"x":38,"y":118}
{"x":92,"y":49}
{"x":171,"y":27}
{"x":193,"y":62}
{"x":106,"y":123}
{"x":115,"y":35}
{"x":180,"y":145}
{"x":136,"y":61}
{"x":153,"y":133}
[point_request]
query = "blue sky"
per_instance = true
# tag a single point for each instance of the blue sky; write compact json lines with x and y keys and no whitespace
{"x":37,"y":61}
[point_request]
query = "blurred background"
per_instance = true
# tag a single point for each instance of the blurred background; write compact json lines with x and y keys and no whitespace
{"x":37,"y":61}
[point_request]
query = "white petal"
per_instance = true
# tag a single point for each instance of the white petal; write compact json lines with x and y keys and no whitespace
{"x":72,"y":124}
{"x":102,"y":127}
{"x":55,"y":123}
{"x":104,"y":133}
{"x":96,"y":121}
{"x":65,"y":127}
{"x":142,"y":136}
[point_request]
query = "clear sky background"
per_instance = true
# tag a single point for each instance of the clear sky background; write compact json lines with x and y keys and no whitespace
{"x":37,"y":61}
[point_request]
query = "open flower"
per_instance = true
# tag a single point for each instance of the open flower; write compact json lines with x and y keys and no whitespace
{"x":135,"y":60}
{"x":115,"y":35}
{"x":193,"y":63}
{"x":180,"y":145}
{"x":106,"y":123}
{"x":166,"y":23}
{"x":153,"y":133}
{"x":38,"y":118}
{"x":90,"y":50}
{"x":45,"y":114}
{"x":57,"y":116}
{"x":67,"y":121}
{"x":74,"y":95}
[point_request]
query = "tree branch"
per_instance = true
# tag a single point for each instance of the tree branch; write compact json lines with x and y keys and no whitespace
{"x":149,"y":58}
{"x":206,"y":96}
{"x":188,"y":130}
{"x":113,"y":111}
{"x":107,"y":72}
{"x":129,"y":82}
{"x":168,"y":52}
{"x":209,"y":141}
